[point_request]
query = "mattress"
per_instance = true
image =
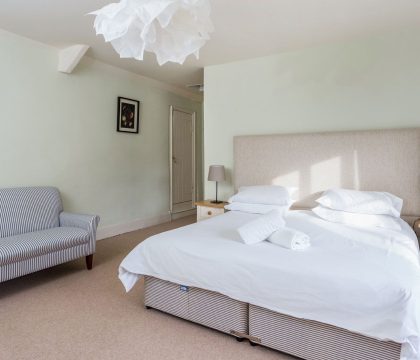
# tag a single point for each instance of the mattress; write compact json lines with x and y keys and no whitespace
{"x":362,"y":280}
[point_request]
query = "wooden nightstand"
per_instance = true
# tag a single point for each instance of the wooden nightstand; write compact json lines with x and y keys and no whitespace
{"x":206,"y":209}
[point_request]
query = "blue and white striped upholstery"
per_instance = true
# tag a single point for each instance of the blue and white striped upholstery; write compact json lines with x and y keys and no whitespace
{"x":24,"y":246}
{"x":35,"y":233}
{"x":310,"y":340}
{"x":21,"y":268}
{"x":205,"y":307}
{"x":24,"y":210}
{"x":86,"y":222}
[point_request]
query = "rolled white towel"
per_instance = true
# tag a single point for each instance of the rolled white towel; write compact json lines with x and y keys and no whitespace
{"x":290,"y":239}
{"x":262,"y":227}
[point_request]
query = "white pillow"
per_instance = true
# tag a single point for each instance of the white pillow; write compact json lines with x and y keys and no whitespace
{"x":265,"y":194}
{"x":262,"y":227}
{"x":359,"y":220}
{"x":256,"y":208}
{"x":362,"y":202}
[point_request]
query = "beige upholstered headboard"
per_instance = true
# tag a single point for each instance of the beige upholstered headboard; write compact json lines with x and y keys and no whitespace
{"x":378,"y":160}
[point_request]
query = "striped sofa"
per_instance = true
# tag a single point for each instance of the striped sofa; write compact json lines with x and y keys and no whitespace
{"x":36,"y":234}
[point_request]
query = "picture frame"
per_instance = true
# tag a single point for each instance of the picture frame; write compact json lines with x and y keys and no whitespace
{"x":128,"y":118}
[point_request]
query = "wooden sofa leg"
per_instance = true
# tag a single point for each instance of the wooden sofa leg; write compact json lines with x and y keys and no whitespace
{"x":89,"y":262}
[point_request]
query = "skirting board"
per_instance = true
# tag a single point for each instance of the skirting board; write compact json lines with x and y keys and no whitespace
{"x":118,"y":229}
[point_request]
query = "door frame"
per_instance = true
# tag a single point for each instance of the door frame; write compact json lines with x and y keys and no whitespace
{"x":194,"y":175}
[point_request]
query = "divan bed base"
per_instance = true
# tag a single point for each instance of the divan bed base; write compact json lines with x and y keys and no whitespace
{"x":313,"y":340}
{"x":204,"y":307}
{"x":310,"y":340}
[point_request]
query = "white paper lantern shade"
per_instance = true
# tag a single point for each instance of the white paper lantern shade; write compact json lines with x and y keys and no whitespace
{"x":172,"y":29}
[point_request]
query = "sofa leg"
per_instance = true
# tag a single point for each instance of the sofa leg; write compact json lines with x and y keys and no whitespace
{"x":89,"y":262}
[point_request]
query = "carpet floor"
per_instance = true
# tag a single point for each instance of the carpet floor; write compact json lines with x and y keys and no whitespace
{"x":67,"y":312}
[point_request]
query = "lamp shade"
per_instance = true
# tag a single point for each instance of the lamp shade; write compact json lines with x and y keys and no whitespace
{"x":216,"y":173}
{"x":172,"y":29}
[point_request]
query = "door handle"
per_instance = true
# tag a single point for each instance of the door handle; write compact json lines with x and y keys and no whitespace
{"x":174,"y":159}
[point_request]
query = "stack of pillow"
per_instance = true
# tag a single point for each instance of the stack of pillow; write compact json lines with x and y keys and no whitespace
{"x":261,"y":199}
{"x":360,"y":208}
{"x":349,"y":207}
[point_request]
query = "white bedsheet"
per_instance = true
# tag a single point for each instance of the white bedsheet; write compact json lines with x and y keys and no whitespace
{"x":363,"y":280}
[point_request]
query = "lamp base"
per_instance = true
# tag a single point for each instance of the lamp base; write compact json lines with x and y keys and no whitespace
{"x":216,"y":202}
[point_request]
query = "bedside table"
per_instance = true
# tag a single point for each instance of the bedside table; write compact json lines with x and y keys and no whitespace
{"x":206,"y":209}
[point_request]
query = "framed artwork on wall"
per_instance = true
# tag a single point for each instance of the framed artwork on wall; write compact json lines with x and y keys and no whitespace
{"x":128,"y":120}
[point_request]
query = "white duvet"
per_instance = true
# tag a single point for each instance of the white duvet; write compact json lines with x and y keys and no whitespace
{"x":363,"y":280}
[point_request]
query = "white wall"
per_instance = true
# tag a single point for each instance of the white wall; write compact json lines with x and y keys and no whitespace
{"x":364,"y":84}
{"x":60,"y":130}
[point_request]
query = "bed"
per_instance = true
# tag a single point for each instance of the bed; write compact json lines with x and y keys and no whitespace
{"x":315,"y":304}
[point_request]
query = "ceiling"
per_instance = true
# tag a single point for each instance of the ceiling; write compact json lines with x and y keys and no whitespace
{"x":243,"y":29}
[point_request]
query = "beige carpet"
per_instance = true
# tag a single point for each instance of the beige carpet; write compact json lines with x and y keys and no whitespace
{"x":68,"y":312}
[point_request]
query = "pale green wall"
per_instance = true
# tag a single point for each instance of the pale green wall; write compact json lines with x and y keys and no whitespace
{"x":365,"y":84}
{"x":60,"y":130}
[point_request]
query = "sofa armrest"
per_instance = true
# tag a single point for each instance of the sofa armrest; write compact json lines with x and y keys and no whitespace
{"x":85,"y":222}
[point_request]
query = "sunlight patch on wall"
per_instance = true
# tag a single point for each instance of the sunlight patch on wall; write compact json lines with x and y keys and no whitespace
{"x":325,"y":175}
{"x":356,"y":176}
{"x":290,"y":179}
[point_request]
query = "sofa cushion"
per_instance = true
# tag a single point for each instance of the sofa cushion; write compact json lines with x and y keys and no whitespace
{"x":20,"y":247}
{"x":28,"y":209}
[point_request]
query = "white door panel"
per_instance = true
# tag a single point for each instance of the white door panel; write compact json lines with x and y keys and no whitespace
{"x":182,"y":158}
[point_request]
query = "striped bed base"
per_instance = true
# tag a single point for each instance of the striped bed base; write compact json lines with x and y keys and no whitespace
{"x":313,"y":340}
{"x":310,"y":340}
{"x":207,"y":308}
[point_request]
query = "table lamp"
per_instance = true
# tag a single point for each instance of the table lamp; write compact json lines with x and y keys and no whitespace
{"x":216,"y":173}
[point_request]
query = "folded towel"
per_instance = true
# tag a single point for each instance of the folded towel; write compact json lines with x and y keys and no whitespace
{"x":290,"y":239}
{"x":262,"y":227}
